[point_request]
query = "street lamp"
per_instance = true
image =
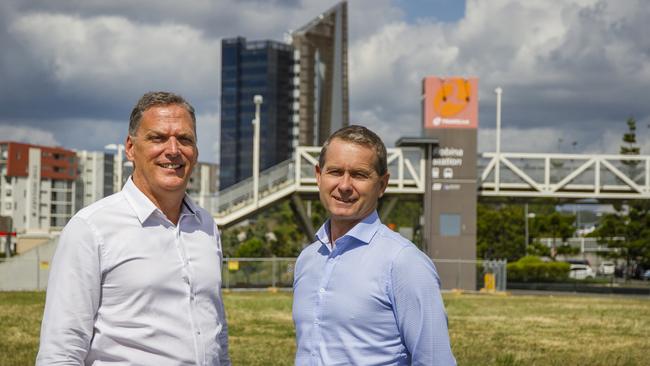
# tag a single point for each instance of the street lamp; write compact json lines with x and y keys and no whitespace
{"x":498,"y":91}
{"x":257,"y":99}
{"x":527,"y":216}
{"x":117,"y":171}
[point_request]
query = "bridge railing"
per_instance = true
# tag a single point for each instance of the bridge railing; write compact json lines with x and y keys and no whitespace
{"x":513,"y":174}
{"x":564,"y":175}
{"x":405,"y":165}
{"x":241,"y":194}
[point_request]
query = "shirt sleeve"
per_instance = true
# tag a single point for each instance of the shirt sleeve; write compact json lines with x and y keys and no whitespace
{"x":72,"y":299}
{"x":419,"y":310}
{"x":224,"y":358}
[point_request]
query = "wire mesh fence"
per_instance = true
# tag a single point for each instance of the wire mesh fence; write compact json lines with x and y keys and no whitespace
{"x":31,"y":273}
{"x":255,"y":273}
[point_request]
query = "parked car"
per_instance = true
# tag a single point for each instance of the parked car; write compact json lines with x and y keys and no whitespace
{"x":581,"y":272}
{"x":646,"y":275}
{"x":578,"y":261}
{"x":606,"y":268}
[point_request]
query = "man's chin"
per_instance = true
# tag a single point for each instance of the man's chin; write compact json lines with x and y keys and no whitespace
{"x":173,"y":184}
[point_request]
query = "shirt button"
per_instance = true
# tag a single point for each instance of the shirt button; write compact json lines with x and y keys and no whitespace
{"x":321,"y":290}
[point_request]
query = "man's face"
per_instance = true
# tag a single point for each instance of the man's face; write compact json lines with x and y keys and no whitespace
{"x":348,"y":183}
{"x":163,"y":151}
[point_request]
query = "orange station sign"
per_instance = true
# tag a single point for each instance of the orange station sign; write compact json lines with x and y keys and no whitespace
{"x":450,"y":102}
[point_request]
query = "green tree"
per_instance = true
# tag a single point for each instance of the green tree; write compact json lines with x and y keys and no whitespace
{"x":252,"y":248}
{"x":273,"y":232}
{"x":629,"y":233}
{"x":557,"y":226}
{"x":628,"y":229}
{"x":500,"y":232}
{"x":630,"y":147}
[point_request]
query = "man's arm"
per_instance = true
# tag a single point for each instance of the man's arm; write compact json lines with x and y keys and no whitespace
{"x":73,"y":294}
{"x":224,"y":358}
{"x":419,"y":309}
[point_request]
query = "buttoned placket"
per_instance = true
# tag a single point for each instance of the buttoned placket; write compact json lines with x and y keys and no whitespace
{"x":330,"y":264}
{"x":191,"y":290}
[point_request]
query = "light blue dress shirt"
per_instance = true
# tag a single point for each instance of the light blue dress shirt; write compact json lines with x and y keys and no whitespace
{"x":372,"y":300}
{"x":128,"y":287}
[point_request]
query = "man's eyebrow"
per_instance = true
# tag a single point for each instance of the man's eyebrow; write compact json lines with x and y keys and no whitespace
{"x":361,"y":170}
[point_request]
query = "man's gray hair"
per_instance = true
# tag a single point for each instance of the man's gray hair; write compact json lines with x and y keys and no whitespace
{"x":361,"y":136}
{"x":157,"y":98}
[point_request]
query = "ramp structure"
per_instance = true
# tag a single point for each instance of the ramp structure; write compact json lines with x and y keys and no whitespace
{"x":570,"y":176}
{"x":295,"y":179}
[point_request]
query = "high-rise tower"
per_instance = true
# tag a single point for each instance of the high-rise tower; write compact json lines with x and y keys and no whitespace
{"x":305,"y":89}
{"x":321,"y":53}
{"x":247,"y":69}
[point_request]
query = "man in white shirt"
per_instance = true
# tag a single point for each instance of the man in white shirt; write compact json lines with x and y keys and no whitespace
{"x":136,"y":276}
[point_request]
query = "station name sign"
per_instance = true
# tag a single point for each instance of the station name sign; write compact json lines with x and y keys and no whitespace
{"x":450,"y":102}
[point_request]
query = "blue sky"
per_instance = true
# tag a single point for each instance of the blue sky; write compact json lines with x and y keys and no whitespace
{"x":441,"y":10}
{"x":571,"y":70}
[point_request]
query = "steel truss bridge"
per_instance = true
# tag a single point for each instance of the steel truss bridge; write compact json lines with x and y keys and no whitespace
{"x":526,"y":175}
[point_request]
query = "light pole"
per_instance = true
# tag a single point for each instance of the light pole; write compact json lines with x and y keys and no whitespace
{"x":117,"y":182}
{"x":527,"y":216}
{"x":498,"y":91}
{"x":257,"y":99}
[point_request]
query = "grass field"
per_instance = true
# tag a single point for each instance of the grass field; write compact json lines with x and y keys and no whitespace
{"x":485,"y":330}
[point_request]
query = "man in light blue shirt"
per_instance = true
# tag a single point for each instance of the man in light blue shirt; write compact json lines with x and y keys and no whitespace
{"x":364,"y":295}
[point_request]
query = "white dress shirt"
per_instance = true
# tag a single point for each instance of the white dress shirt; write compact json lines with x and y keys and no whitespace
{"x":128,"y":287}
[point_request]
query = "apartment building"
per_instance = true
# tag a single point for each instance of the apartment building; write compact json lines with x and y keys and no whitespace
{"x":37,"y":186}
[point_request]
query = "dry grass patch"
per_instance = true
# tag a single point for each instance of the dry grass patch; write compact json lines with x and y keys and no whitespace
{"x":485,"y":330}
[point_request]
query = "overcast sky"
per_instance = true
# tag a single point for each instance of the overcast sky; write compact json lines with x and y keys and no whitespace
{"x":571,"y":71}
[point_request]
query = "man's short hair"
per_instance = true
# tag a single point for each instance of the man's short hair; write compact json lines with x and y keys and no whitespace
{"x":361,"y":136}
{"x":157,"y":98}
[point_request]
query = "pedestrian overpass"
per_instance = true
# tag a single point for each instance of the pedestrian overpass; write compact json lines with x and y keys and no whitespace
{"x":526,"y":175}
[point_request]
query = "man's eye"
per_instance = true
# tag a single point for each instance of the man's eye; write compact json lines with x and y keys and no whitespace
{"x":335,"y":173}
{"x":186,"y":141}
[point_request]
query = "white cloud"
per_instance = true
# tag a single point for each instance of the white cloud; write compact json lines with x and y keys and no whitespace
{"x":112,"y":55}
{"x":567,"y":67}
{"x":523,"y":140}
{"x":28,"y":135}
{"x":571,"y":69}
{"x":208,"y":131}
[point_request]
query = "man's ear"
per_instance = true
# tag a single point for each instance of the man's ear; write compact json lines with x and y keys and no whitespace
{"x":128,"y":148}
{"x":383,"y":181}
{"x":318,"y":172}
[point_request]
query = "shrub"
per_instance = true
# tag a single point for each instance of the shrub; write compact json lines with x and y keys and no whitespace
{"x":533,"y":269}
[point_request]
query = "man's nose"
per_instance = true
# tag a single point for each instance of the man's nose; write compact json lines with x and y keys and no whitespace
{"x":345,"y":184}
{"x":172,"y":146}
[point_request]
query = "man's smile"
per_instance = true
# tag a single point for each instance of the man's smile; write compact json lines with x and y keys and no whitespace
{"x":345,"y":200}
{"x":170,"y":165}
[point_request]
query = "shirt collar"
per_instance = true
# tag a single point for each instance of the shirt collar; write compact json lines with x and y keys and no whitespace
{"x":143,"y":206}
{"x":363,"y":232}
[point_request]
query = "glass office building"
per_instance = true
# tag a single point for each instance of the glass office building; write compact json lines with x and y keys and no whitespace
{"x":247,"y":69}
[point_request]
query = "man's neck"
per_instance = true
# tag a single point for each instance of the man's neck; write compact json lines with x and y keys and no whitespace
{"x":340,"y":228}
{"x":170,"y":203}
{"x":172,"y":210}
